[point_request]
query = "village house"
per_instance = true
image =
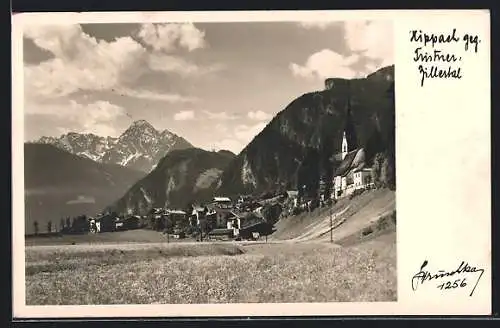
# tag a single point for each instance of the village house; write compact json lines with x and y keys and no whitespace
{"x":294,"y":196}
{"x":103,"y":223}
{"x":220,"y":216}
{"x":243,"y":226}
{"x":198,"y":214}
{"x":352,"y":173}
{"x":222,"y":202}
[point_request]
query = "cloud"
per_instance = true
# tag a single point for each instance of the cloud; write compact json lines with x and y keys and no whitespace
{"x":98,"y":117}
{"x":246,"y":133}
{"x":150,"y":95}
{"x":167,"y":63}
{"x":370,"y":46}
{"x":82,"y":199}
{"x":80,"y":62}
{"x":228,"y":144}
{"x":237,"y":139}
{"x":325,"y":63}
{"x":322,"y":25}
{"x":371,"y":39}
{"x":221,"y":116}
{"x":184,"y":115}
{"x":259,"y":115}
{"x":168,"y":37}
{"x":83,"y":63}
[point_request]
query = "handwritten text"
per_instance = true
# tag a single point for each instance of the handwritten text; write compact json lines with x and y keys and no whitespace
{"x":433,"y":63}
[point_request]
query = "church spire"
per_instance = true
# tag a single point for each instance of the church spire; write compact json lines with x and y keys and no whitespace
{"x":349,"y":139}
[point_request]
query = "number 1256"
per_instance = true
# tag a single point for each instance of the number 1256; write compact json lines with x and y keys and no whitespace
{"x":452,"y":285}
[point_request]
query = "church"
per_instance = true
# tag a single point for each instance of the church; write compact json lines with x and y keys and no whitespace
{"x":352,"y":173}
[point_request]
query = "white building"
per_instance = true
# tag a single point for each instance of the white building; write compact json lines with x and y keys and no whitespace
{"x":352,"y":173}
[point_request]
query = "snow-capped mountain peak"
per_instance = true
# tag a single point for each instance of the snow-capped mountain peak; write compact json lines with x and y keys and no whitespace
{"x":140,"y":146}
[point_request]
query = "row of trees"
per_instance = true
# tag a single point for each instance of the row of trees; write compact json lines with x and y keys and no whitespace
{"x":66,"y":225}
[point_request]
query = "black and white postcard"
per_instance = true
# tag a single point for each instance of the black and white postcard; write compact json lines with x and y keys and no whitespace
{"x":244,"y":163}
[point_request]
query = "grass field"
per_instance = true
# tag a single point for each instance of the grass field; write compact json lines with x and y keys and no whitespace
{"x":298,"y":264}
{"x":130,"y":236}
{"x":210,"y":273}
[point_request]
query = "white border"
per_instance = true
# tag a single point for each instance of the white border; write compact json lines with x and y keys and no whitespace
{"x":411,"y":241}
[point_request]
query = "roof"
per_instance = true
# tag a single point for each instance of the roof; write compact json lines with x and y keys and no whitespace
{"x":221,"y":232}
{"x":127,"y":219}
{"x":359,"y":167}
{"x":228,"y":212}
{"x":176,"y":212}
{"x":250,"y":221}
{"x":362,"y":168}
{"x":222,"y":199}
{"x":353,"y":160}
{"x":252,"y":226}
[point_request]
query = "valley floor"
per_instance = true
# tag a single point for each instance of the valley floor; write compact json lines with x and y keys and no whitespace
{"x":297,"y":264}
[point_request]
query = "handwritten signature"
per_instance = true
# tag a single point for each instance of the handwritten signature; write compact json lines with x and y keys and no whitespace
{"x":464,"y":268}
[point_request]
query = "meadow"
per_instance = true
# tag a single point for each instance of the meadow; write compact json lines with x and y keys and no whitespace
{"x":228,"y":272}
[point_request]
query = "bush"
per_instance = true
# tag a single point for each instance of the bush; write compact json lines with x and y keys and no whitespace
{"x":271,"y":213}
{"x":383,"y":223}
{"x":296,"y":211}
{"x":367,"y":231}
{"x":356,"y":192}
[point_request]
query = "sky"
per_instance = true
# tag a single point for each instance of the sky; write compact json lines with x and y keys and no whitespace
{"x":215,"y":84}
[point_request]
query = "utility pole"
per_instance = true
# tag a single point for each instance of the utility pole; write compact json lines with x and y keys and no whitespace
{"x":331,"y":226}
{"x":201,"y":231}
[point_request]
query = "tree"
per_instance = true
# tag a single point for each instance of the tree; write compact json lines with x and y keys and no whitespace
{"x":387,"y":173}
{"x":271,"y":213}
{"x":35,"y":225}
{"x":68,"y":223}
{"x":49,"y":226}
{"x":308,"y":174}
{"x":374,"y":144}
{"x":377,"y":170}
{"x":61,"y":225}
{"x":383,"y":171}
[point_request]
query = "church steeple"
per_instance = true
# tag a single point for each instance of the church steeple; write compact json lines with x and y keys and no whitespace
{"x":349,"y":139}
{"x":344,"y":146}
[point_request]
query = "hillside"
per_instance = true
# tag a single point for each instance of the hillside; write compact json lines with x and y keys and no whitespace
{"x":297,"y":145}
{"x":60,"y":184}
{"x":181,"y":177}
{"x":366,"y":215}
{"x":139,"y":147}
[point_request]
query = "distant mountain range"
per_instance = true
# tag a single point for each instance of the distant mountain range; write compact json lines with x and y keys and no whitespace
{"x":60,"y":184}
{"x":140,"y":147}
{"x":182,"y":177}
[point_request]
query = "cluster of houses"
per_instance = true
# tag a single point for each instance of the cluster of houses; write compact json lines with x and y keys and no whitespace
{"x":222,"y":218}
{"x":225,"y":219}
